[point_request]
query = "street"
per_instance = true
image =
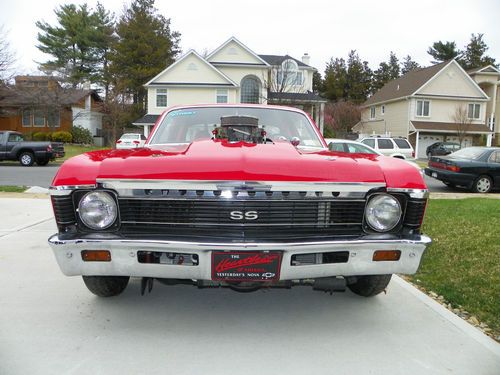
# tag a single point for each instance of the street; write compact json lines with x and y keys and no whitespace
{"x":51,"y":324}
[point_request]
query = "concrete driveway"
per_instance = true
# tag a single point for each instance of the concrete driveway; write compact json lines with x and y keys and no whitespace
{"x":51,"y":324}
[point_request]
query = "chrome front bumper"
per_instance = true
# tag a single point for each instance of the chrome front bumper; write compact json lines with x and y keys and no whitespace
{"x":125,"y":263}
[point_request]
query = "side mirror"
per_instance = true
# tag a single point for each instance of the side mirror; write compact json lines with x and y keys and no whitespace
{"x":295,"y":141}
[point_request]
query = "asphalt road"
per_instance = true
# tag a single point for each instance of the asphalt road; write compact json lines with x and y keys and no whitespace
{"x":51,"y":324}
{"x":13,"y":174}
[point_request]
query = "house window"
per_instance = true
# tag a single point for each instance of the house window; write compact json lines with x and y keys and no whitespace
{"x":221,"y":96}
{"x":27,"y":118}
{"x":423,"y":108}
{"x":38,"y":118}
{"x":161,"y":97}
{"x":250,"y":89}
{"x":474,"y":111}
{"x":299,"y":78}
{"x":54,"y":119}
{"x":372,"y":112}
{"x":382,"y":110}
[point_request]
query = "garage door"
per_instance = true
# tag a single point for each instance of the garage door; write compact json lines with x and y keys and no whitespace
{"x":424,"y":141}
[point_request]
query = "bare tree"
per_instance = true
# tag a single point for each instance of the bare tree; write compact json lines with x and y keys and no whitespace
{"x":282,"y":79}
{"x":7,"y":58}
{"x":341,"y":117}
{"x":462,"y":122}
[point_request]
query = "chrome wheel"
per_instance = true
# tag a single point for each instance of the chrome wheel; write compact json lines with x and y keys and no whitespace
{"x":26,"y":159}
{"x":482,"y":184}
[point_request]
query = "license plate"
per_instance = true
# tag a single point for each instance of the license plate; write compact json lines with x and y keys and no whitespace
{"x":245,"y":266}
{"x":434,"y":174}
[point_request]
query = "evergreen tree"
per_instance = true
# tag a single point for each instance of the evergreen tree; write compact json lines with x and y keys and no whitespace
{"x":394,"y":71}
{"x":145,"y":47}
{"x":443,"y":51}
{"x":335,"y":81}
{"x":104,"y":40}
{"x":474,"y":53}
{"x":408,"y":65}
{"x":387,"y":71}
{"x":73,"y":43}
{"x":318,"y":84}
{"x":358,"y":85}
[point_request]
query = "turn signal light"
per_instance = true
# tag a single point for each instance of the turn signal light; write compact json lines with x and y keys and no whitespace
{"x":386,"y":255}
{"x":96,"y":256}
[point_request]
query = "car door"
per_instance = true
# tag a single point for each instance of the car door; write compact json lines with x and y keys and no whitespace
{"x":494,"y":167}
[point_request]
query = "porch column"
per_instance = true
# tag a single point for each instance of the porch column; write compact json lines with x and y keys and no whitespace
{"x":146,"y":130}
{"x":416,"y":145}
{"x":322,"y":117}
{"x":316,"y":115}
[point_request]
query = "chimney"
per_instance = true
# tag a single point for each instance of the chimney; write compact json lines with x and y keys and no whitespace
{"x":306,"y":59}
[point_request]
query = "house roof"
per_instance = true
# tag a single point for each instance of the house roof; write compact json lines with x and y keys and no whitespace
{"x":146,"y":120}
{"x":236,"y":41}
{"x":484,"y":69}
{"x":278,"y":60}
{"x":437,"y":127}
{"x":405,"y":85}
{"x":18,"y":96}
{"x":295,"y":96}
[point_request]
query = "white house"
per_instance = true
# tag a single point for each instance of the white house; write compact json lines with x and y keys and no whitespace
{"x":233,"y":73}
{"x":423,"y":104}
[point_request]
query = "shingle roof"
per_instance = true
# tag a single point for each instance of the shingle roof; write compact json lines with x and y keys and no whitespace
{"x":146,"y":119}
{"x":405,"y":85}
{"x":278,"y":60}
{"x":295,"y":96}
{"x":449,"y":126}
{"x":21,"y":96}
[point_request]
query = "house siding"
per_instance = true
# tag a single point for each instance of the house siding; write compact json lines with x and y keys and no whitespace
{"x":393,"y":121}
{"x":14,"y":123}
{"x":443,"y":110}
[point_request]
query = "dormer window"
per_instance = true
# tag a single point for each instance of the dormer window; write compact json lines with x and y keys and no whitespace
{"x":288,"y":74}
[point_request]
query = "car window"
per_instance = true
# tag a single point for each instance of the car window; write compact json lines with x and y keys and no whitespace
{"x":469,"y":153}
{"x":337,"y":147}
{"x":402,"y":143}
{"x":130,"y":136}
{"x":385,"y":144}
{"x":15,"y":138}
{"x":355,"y":148}
{"x":369,"y":142}
{"x":495,"y":157}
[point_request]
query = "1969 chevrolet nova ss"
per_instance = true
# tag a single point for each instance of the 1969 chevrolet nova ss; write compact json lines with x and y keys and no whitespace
{"x":239,"y":196}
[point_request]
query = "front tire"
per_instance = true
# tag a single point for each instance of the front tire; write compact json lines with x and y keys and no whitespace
{"x":26,"y":159}
{"x":482,"y":185}
{"x":106,"y":286}
{"x":369,"y":286}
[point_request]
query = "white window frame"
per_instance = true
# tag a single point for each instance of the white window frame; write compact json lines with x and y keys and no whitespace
{"x":221,"y":94}
{"x":39,"y":111}
{"x":30,"y":118}
{"x":423,"y":101}
{"x":382,"y":110}
{"x":474,"y":106}
{"x":372,"y":113}
{"x":162,"y":93}
{"x":56,"y":115}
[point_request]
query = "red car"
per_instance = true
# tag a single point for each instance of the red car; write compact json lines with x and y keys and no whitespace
{"x":239,"y":196}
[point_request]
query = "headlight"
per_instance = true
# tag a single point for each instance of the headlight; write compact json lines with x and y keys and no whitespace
{"x":383,"y":212}
{"x":97,"y":210}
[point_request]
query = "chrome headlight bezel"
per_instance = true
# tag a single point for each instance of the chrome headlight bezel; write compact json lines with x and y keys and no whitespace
{"x":373,"y":218}
{"x":102,"y":200}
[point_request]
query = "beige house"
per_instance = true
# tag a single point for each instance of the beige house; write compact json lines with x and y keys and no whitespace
{"x":232,"y":73}
{"x":439,"y":103}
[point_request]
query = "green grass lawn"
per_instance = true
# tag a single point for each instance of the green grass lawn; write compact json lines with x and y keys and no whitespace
{"x":12,"y":189}
{"x":463,"y":263}
{"x":73,"y":150}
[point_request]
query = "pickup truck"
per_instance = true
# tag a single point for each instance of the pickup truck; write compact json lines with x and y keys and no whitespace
{"x":14,"y":147}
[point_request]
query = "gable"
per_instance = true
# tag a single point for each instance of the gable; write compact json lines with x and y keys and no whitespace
{"x":191,"y":69}
{"x":233,"y":51}
{"x":452,"y":80}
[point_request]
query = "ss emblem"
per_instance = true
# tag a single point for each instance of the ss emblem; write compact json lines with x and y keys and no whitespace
{"x":240,"y":215}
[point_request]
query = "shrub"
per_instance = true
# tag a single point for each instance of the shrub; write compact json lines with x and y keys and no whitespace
{"x":81,"y":135}
{"x":61,"y":136}
{"x":41,"y":136}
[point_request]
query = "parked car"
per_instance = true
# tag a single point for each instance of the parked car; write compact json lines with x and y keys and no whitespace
{"x":441,"y":148}
{"x":395,"y":147}
{"x":255,"y":201}
{"x":130,"y":140}
{"x":14,"y":147}
{"x":344,"y":145}
{"x":476,"y":168}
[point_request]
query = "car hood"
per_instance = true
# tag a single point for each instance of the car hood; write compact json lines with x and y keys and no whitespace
{"x":225,"y":161}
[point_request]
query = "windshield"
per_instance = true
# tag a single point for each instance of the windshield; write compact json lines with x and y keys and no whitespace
{"x":189,"y":124}
{"x":468,"y":153}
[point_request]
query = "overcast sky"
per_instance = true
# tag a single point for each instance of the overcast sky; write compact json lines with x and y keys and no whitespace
{"x":322,"y":28}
